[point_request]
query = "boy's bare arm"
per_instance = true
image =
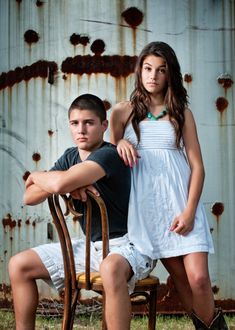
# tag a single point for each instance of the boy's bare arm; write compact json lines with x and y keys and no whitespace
{"x":41,"y":184}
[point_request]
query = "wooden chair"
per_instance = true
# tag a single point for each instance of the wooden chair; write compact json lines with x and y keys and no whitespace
{"x":146,"y":288}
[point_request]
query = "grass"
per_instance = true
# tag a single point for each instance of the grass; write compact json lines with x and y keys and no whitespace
{"x":92,"y":322}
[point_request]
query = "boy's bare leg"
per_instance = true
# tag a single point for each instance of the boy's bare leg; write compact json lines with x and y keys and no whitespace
{"x":115,"y":272}
{"x":24,"y":268}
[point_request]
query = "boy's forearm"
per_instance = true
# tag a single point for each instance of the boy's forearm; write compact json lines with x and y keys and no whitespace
{"x":48,"y":181}
{"x":34,"y":195}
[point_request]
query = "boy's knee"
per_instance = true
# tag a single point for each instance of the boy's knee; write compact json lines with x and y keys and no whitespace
{"x":18,"y":265}
{"x":14,"y":266}
{"x":115,"y":269}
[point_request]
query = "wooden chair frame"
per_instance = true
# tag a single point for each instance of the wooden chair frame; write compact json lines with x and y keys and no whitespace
{"x":146,"y":288}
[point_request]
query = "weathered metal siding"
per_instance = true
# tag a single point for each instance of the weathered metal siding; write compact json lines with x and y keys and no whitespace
{"x":51,"y":51}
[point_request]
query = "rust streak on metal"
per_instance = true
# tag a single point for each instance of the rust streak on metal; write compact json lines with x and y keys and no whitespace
{"x":215,"y":289}
{"x":36,"y":156}
{"x":82,"y":39}
{"x":221,"y":103}
{"x":98,"y":47}
{"x":115,"y":65}
{"x":217,"y":209}
{"x":133,"y":16}
{"x":8,"y":221}
{"x":188,"y":78}
{"x":50,"y":132}
{"x":27,"y":222}
{"x":31,"y":36}
{"x":26,"y":175}
{"x":38,"y":69}
{"x":39,"y":3}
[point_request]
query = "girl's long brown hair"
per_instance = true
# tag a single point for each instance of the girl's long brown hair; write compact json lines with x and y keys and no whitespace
{"x":175,"y":94}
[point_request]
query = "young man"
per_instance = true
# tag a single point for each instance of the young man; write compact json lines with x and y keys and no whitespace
{"x":92,"y":161}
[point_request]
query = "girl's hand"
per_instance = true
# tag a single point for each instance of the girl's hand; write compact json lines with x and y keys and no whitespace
{"x":127,"y":152}
{"x":182,"y":224}
{"x":81,"y":194}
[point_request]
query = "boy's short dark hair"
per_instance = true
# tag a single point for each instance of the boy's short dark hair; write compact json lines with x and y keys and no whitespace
{"x":89,"y":102}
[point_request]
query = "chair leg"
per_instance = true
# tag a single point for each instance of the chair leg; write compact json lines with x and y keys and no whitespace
{"x":104,"y":326}
{"x":152,"y":310}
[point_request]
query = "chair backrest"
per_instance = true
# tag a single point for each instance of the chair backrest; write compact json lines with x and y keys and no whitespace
{"x":64,"y":236}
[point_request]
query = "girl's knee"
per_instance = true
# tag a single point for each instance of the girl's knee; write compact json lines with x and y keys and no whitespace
{"x":200,"y":282}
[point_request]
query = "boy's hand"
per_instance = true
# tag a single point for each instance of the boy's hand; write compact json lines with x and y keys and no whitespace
{"x":81,"y":194}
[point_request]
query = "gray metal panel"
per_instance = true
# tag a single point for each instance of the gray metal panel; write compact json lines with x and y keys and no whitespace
{"x":34,"y":111}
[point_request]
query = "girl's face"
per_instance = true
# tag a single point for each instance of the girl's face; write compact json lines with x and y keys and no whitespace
{"x":154,"y":74}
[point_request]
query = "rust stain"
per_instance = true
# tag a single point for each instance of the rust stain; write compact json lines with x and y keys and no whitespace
{"x":26,"y":175}
{"x":41,"y":69}
{"x":31,"y":36}
{"x":34,"y":223}
{"x":217,"y":209}
{"x":115,"y":65}
{"x":50,"y":132}
{"x":215,"y":289}
{"x":107,"y":105}
{"x":133,"y":16}
{"x":98,"y":47}
{"x":221,"y":103}
{"x":39,"y":3}
{"x":76,"y":39}
{"x":27,"y":222}
{"x":8,"y":221}
{"x":225,"y":80}
{"x":188,"y":78}
{"x":36,"y":156}
{"x":19,"y":223}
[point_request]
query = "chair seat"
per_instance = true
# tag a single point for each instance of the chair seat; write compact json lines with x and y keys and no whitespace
{"x":94,"y":278}
{"x":148,"y":283}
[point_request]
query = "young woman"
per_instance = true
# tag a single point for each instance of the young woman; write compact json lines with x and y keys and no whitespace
{"x":156,"y":136}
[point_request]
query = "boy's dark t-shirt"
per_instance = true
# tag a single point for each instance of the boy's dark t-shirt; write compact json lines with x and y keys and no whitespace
{"x":114,"y":188}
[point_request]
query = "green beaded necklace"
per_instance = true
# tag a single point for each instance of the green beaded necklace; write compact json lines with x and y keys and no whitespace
{"x":161,"y":114}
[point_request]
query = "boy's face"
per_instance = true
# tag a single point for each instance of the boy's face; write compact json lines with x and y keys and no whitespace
{"x":87,"y":129}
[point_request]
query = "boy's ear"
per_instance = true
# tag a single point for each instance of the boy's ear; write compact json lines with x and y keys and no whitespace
{"x":105,"y":124}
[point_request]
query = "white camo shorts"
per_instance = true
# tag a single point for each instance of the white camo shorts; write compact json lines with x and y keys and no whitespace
{"x":51,"y":257}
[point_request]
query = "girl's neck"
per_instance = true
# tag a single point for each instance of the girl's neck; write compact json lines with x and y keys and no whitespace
{"x":157,"y":100}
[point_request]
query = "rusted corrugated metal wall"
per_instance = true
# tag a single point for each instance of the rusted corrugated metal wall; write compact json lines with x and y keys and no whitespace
{"x":51,"y":51}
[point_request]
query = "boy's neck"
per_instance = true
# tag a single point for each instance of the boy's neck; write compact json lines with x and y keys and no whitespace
{"x":85,"y":153}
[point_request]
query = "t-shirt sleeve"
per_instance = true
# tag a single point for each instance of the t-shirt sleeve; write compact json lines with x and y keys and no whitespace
{"x":107,"y":158}
{"x":62,"y":163}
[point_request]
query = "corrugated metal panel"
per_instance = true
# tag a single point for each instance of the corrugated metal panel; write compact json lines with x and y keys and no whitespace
{"x":47,"y":58}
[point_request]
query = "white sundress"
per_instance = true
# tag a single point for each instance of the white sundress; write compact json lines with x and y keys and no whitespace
{"x":159,"y":191}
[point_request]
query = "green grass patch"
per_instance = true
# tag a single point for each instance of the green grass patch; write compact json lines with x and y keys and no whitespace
{"x":93,"y":322}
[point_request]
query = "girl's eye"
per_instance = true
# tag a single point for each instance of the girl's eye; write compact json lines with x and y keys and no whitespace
{"x":162,"y":70}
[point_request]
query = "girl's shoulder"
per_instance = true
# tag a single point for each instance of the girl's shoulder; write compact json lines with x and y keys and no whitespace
{"x":122,"y":110}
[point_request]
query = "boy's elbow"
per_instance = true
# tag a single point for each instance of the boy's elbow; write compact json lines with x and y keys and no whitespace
{"x":28,"y":200}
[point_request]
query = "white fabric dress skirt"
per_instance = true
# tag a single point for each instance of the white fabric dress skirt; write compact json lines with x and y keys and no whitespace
{"x":159,"y":192}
